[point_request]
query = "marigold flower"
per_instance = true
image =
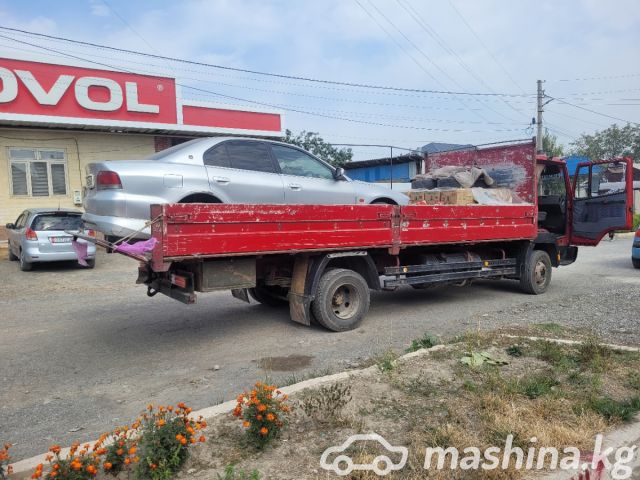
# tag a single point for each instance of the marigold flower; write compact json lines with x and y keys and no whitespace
{"x":150,"y":407}
{"x":91,"y":470}
{"x":53,"y":474}
{"x":201,"y":439}
{"x":127,"y":461}
{"x":203,"y":424}
{"x":246,"y":424}
{"x":271,"y":417}
{"x":178,"y":436}
{"x":107,"y":465}
{"x":75,"y":465}
{"x":259,"y":418}
{"x":161,"y":423}
{"x":56,"y":448}
{"x":133,"y":450}
{"x":264,"y":431}
{"x":182,"y":405}
{"x":183,"y":441}
{"x":188,"y":410}
{"x":262,"y":407}
{"x":153,"y":466}
{"x":48,"y":458}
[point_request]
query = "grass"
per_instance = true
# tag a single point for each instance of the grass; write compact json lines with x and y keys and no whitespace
{"x":426,"y":341}
{"x":387,"y":361}
{"x":297,"y":378}
{"x":230,"y":473}
{"x":613,"y":410}
{"x":551,"y":327}
{"x":536,"y":385}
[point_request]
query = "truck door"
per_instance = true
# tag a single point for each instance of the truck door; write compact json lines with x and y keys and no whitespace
{"x":602,"y":200}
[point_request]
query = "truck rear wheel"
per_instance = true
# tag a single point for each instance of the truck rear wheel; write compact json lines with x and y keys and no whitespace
{"x":536,"y":274}
{"x":271,"y":296}
{"x":341,"y":300}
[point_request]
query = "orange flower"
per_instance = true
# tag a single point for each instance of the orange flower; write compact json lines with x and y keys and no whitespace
{"x":203,"y":424}
{"x":133,"y":450}
{"x":53,"y":474}
{"x":170,"y":409}
{"x":161,"y":422}
{"x":237,"y":412}
{"x":150,"y":407}
{"x":56,"y":449}
{"x":92,"y":470}
{"x":264,"y":431}
{"x":153,"y":466}
{"x":178,"y":436}
{"x":107,"y":465}
{"x":201,"y":439}
{"x":48,"y":458}
{"x":38,"y":471}
{"x":120,"y":452}
{"x":259,"y":418}
{"x":127,"y":461}
{"x":76,"y":465}
{"x":183,"y":441}
{"x":192,"y":440}
{"x":246,"y":424}
{"x":271,"y":417}
{"x":262,"y":408}
{"x":182,"y":405}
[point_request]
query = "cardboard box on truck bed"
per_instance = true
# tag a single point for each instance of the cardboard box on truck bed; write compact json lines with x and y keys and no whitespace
{"x":429,"y":197}
{"x":457,"y":196}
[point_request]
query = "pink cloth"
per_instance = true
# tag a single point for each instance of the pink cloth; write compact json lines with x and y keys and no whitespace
{"x":138,"y":248}
{"x":81,"y":252}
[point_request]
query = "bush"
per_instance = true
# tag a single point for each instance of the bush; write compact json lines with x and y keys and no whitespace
{"x":636,"y":221}
{"x":165,"y":436}
{"x":79,"y":464}
{"x":326,"y":404}
{"x":5,"y":469}
{"x":427,"y":341}
{"x":264,"y":413}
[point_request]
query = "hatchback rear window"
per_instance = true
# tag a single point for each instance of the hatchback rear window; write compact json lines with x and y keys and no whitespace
{"x":56,"y":221}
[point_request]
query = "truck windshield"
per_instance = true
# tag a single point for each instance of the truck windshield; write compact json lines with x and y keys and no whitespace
{"x":56,"y":221}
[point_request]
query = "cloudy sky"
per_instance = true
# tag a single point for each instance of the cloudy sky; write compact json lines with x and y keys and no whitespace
{"x":586,"y":51}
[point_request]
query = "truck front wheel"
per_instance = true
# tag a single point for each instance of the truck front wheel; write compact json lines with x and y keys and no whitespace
{"x":536,"y":275}
{"x":341,"y":300}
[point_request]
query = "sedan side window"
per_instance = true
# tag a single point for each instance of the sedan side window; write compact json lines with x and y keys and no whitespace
{"x":294,"y":162}
{"x":216,"y":156}
{"x":250,"y":156}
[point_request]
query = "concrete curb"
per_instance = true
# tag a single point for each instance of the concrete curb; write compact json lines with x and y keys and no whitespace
{"x":563,"y":341}
{"x":209,"y":413}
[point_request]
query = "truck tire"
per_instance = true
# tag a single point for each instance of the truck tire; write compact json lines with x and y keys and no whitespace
{"x":268,"y":295}
{"x":636,"y":262}
{"x":536,"y":276}
{"x":342,"y":300}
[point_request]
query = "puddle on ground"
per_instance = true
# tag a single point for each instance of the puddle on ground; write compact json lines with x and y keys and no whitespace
{"x":285,"y":364}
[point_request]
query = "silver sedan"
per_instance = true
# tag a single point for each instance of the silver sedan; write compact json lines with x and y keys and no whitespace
{"x":39,"y":235}
{"x":217,"y":170}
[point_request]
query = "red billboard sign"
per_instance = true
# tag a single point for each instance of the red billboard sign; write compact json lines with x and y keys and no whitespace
{"x":31,"y":88}
{"x":37,"y":93}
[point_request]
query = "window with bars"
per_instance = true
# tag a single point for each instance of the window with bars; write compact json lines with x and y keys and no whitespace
{"x":38,"y":172}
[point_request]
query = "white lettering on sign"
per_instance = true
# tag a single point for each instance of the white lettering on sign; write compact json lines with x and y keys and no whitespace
{"x":55,"y":93}
{"x":82,"y":94}
{"x":115,"y":100}
{"x":9,"y":86}
{"x":133,"y":105}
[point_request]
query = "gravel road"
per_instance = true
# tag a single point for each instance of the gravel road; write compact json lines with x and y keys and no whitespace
{"x":84,"y":350}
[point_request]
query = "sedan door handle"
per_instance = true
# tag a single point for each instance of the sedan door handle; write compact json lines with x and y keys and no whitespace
{"x":222,"y":180}
{"x":295,"y":186}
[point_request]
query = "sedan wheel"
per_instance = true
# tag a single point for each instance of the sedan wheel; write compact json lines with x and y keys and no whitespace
{"x":25,"y":266}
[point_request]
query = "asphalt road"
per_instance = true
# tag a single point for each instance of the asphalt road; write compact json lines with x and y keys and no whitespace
{"x":84,"y":350}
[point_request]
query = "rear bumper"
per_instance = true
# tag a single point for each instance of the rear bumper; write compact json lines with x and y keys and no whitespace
{"x":117,"y":226}
{"x":33,"y":254}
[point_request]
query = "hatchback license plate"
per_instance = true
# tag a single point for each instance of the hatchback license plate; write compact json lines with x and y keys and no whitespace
{"x":60,"y":239}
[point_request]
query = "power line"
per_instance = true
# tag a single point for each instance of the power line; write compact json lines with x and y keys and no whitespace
{"x":484,"y":45}
{"x":594,"y":112}
{"x":256,"y":72}
{"x":271,"y":105}
{"x":605,"y":77}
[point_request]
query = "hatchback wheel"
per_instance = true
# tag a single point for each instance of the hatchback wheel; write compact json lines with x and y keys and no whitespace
{"x":12,"y":257}
{"x":25,"y":265}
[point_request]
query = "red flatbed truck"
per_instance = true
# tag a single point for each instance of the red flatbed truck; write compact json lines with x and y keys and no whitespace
{"x":323,"y":260}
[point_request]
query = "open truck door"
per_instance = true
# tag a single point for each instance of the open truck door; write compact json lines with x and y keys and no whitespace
{"x":602,"y":200}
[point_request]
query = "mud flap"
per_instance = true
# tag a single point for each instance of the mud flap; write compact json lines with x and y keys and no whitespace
{"x":299,"y":299}
{"x":241,"y":294}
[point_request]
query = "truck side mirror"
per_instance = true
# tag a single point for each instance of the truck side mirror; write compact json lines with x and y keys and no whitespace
{"x":338,"y":174}
{"x":10,"y":226}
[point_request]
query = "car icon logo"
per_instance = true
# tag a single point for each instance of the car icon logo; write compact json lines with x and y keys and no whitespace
{"x":381,"y":465}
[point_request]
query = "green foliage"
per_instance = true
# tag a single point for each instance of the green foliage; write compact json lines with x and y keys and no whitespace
{"x":636,"y":221}
{"x":314,"y":143}
{"x":615,"y":409}
{"x":387,"y":361}
{"x":230,"y":473}
{"x":611,"y":142}
{"x":550,"y":145}
{"x":535,"y":386}
{"x":326,"y":403}
{"x":427,"y":341}
{"x":515,"y":351}
{"x":263,"y":412}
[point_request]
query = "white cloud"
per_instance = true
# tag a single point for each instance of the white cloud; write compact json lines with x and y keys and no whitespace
{"x":99,"y":8}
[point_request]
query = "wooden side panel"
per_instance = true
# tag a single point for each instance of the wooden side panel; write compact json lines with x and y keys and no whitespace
{"x":431,"y":224}
{"x":219,"y":229}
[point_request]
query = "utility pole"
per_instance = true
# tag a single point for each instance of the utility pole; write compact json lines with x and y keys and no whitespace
{"x":391,"y":167}
{"x":539,"y":119}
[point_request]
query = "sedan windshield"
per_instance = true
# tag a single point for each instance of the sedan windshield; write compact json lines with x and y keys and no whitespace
{"x":56,"y":221}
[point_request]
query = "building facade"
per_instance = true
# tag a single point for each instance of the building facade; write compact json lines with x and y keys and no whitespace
{"x":55,"y":119}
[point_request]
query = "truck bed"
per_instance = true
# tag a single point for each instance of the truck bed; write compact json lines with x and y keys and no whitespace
{"x":218,"y":230}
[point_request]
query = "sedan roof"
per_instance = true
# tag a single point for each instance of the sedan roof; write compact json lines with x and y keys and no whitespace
{"x":52,"y":210}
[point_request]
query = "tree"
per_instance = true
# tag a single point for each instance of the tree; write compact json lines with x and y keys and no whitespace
{"x":611,"y":142}
{"x":550,"y":145}
{"x":314,"y":143}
